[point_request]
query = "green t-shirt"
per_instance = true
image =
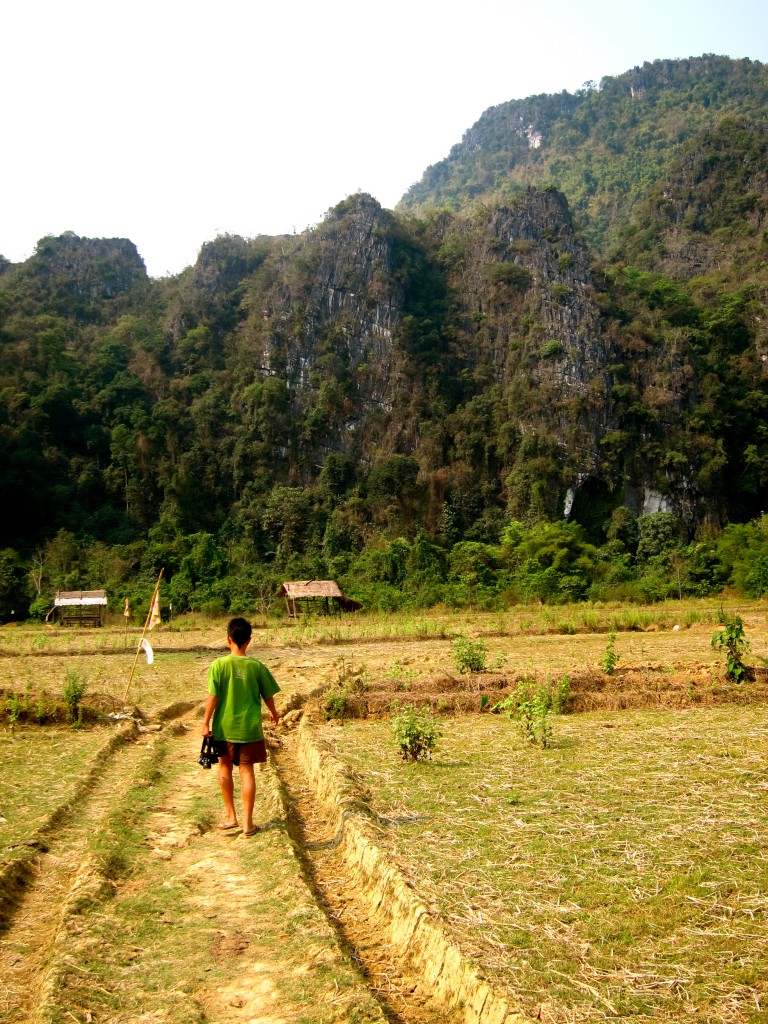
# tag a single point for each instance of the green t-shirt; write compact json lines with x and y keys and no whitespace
{"x":240,"y":683}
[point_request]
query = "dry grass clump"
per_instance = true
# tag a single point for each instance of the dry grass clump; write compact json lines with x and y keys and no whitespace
{"x":42,"y":769}
{"x":621,"y":872}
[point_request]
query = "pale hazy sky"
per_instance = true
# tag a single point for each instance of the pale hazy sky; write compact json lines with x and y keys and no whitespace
{"x":171,"y":121}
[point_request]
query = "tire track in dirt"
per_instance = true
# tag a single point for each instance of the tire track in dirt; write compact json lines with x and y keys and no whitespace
{"x":260,"y":950}
{"x":403,"y":992}
{"x":230,"y":905}
{"x":27,"y":950}
{"x":282,"y":961}
{"x":383,"y":987}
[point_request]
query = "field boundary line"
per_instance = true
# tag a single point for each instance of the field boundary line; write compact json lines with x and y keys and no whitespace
{"x":392,"y":902}
{"x":88,"y":652}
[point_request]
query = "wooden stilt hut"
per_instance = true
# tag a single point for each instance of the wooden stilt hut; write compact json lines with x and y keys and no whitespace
{"x":80,"y":607}
{"x":302,"y":594}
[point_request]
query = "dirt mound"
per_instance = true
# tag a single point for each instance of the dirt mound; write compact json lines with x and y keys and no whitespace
{"x":652,"y":685}
{"x":656,"y":685}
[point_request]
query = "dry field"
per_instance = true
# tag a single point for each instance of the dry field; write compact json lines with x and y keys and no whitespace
{"x":620,"y":873}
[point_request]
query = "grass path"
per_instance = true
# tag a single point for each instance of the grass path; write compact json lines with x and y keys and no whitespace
{"x":142,"y":910}
{"x":28,"y":950}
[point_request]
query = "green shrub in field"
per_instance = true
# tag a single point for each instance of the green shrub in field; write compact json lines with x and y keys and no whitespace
{"x":13,"y":708}
{"x":611,"y":658}
{"x":559,"y":693}
{"x":469,"y":655}
{"x":41,"y":708}
{"x":731,"y":639}
{"x":74,"y":691}
{"x":403,"y":675}
{"x":353,"y":678}
{"x":336,"y":702}
{"x":416,"y":732}
{"x":531,"y":706}
{"x":533,"y":717}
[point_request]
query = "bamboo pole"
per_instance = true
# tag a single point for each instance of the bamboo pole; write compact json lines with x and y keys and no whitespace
{"x":143,"y":633}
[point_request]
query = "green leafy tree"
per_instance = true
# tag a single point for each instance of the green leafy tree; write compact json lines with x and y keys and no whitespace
{"x":393,"y":493}
{"x":195,"y":584}
{"x":535,"y":483}
{"x":12,"y":586}
{"x":554,"y":561}
{"x":288,"y":519}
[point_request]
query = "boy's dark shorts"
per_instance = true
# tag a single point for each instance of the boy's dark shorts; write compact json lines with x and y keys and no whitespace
{"x":242,"y":753}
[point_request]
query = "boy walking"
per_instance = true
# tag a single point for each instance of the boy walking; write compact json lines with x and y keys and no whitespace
{"x":237,"y":685}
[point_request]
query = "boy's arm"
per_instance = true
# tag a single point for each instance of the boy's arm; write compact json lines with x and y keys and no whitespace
{"x":270,"y":702}
{"x":210,"y":706}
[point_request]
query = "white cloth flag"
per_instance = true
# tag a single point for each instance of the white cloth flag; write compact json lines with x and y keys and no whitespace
{"x":147,"y":647}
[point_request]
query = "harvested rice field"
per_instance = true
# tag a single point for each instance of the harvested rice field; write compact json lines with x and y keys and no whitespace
{"x":620,"y":872}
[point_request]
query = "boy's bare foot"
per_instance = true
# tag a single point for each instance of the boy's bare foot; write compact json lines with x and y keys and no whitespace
{"x":251,"y":831}
{"x":226,"y":825}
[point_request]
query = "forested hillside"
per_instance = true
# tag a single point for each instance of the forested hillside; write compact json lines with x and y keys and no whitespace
{"x":604,"y":147}
{"x":514,"y":389}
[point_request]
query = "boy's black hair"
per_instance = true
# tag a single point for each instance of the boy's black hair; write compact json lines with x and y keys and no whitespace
{"x":239,"y":630}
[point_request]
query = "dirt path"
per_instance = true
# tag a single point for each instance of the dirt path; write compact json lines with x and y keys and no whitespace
{"x":206,"y":926}
{"x":264,"y":923}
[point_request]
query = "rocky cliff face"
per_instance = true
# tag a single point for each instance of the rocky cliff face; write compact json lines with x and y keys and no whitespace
{"x":82,"y":273}
{"x":381,"y":334}
{"x":527,"y":314}
{"x":481,"y":343}
{"x":346,"y":304}
{"x":322,"y":314}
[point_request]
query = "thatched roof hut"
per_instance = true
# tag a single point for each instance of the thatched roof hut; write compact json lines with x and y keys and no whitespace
{"x":327,"y":591}
{"x":80,"y":607}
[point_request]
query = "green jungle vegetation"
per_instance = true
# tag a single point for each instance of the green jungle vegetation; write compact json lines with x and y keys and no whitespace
{"x":542,"y":378}
{"x":605,"y":147}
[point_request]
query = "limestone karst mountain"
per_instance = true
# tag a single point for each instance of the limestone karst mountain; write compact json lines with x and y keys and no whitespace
{"x":566,"y":315}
